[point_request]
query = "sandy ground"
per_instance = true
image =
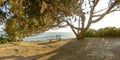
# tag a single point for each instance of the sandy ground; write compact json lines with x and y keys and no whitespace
{"x":69,"y":49}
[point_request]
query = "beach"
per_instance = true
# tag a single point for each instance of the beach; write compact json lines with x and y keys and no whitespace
{"x":67,"y":49}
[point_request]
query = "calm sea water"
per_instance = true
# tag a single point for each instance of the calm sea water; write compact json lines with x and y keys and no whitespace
{"x":48,"y":35}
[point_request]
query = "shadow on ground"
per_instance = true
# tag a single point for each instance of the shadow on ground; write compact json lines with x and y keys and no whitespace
{"x":78,"y":50}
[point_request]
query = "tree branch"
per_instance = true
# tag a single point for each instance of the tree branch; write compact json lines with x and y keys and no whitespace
{"x":103,"y":15}
{"x":74,"y":31}
{"x":91,"y":14}
{"x":72,"y":25}
{"x":100,"y":10}
{"x":96,"y":15}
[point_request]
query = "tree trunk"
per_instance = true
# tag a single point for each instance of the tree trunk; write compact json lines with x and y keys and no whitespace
{"x":80,"y":35}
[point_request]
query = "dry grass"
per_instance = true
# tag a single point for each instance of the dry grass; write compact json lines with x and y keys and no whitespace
{"x":69,"y":49}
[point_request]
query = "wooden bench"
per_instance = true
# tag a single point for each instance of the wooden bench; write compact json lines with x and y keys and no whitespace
{"x":57,"y":37}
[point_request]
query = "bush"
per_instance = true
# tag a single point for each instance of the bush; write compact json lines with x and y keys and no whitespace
{"x":91,"y":33}
{"x":109,"y":32}
{"x":3,"y":40}
{"x":103,"y":32}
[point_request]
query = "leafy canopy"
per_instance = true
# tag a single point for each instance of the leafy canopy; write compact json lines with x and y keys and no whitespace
{"x":34,"y":16}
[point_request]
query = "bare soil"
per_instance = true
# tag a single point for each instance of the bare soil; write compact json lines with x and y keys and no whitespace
{"x":69,"y":49}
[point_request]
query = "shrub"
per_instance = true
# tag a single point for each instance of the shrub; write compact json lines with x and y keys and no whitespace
{"x":109,"y":32}
{"x":103,"y":32}
{"x":3,"y":40}
{"x":91,"y":33}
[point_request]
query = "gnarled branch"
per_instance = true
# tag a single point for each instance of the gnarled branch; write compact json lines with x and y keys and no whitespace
{"x":104,"y":14}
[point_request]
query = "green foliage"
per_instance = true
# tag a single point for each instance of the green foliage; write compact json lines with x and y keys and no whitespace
{"x":35,"y":16}
{"x":91,"y":33}
{"x":109,"y":32}
{"x":103,"y":32}
{"x":3,"y":40}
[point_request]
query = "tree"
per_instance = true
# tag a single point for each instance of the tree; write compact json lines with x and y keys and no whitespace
{"x":34,"y":16}
{"x":87,"y":13}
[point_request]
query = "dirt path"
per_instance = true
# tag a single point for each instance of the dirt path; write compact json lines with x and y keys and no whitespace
{"x":71,"y":49}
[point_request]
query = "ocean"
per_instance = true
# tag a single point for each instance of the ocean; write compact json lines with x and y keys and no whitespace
{"x":48,"y":35}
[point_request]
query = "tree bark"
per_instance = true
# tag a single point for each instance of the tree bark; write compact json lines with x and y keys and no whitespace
{"x":80,"y":35}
